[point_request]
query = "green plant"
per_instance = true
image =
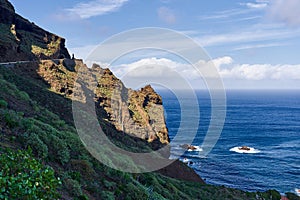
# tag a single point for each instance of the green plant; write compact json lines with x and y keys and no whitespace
{"x":292,"y":196}
{"x":24,"y":96}
{"x":73,"y":187}
{"x":3,"y":104}
{"x":109,"y":185}
{"x":60,"y":151}
{"x":107,"y":195}
{"x":11,"y":118}
{"x":23,"y":176}
{"x":40,"y":149}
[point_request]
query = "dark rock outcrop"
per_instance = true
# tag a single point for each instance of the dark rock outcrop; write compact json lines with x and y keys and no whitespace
{"x":245,"y":148}
{"x":188,"y":147}
{"x":22,"y":40}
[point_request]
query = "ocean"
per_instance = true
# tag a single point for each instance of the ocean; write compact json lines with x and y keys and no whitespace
{"x":266,"y":121}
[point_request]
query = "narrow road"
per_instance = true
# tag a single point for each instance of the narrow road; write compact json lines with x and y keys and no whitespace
{"x":11,"y":64}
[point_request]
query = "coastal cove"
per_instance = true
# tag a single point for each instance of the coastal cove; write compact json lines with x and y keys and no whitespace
{"x":267,"y":121}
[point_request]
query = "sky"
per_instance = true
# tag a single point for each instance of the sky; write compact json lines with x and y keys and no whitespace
{"x":253,"y":44}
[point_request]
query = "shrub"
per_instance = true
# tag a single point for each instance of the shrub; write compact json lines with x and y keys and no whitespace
{"x":134,"y":192}
{"x":27,"y":123}
{"x":60,"y":149}
{"x":107,"y":195}
{"x":73,"y":187}
{"x":84,"y":167}
{"x":12,"y":119}
{"x":24,"y":96}
{"x":273,"y":194}
{"x":109,"y":185}
{"x":292,"y":196}
{"x":3,"y":104}
{"x":23,"y":176}
{"x":38,"y":146}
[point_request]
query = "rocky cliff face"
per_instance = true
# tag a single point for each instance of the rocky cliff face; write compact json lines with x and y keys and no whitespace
{"x":137,"y":113}
{"x":22,"y":40}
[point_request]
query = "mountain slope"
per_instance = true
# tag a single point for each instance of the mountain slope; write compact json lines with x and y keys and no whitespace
{"x":23,"y":40}
{"x":36,"y":113}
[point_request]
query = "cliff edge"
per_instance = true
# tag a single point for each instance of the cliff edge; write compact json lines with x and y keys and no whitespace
{"x":22,"y":40}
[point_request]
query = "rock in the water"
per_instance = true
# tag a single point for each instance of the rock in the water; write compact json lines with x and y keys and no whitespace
{"x":188,"y":147}
{"x":245,"y":148}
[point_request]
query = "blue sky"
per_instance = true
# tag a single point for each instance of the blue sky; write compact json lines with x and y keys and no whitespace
{"x":254,"y":43}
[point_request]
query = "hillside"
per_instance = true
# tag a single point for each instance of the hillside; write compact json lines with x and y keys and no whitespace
{"x":36,"y":114}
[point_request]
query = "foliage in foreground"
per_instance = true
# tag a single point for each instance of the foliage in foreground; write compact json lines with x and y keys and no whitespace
{"x":22,"y":176}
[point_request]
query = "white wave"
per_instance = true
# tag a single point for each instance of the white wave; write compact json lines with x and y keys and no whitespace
{"x":297,"y":191}
{"x":198,"y":148}
{"x":239,"y":150}
{"x":185,"y":160}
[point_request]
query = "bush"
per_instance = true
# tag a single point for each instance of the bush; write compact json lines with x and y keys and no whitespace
{"x":3,"y":104}
{"x":23,"y":176}
{"x":84,"y":167}
{"x":12,"y":119}
{"x":24,"y":96}
{"x":109,"y":185}
{"x":38,"y":146}
{"x":73,"y":187}
{"x":273,"y":194}
{"x":292,"y":196}
{"x":107,"y":195}
{"x":60,"y":149}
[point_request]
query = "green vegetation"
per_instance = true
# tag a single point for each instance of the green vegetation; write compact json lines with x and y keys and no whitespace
{"x":5,"y":34}
{"x":292,"y":196}
{"x":33,"y":117}
{"x":3,"y":104}
{"x":21,"y":175}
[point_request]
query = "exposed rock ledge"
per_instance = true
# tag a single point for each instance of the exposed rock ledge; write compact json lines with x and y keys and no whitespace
{"x":137,"y":113}
{"x":22,"y":40}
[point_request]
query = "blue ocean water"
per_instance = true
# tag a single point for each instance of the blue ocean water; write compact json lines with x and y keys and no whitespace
{"x":268,"y":121}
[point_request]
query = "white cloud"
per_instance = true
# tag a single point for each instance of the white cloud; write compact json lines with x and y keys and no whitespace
{"x":226,"y":60}
{"x":153,"y":67}
{"x":95,"y":8}
{"x":286,"y":11}
{"x":262,"y":1}
{"x":225,"y":14}
{"x":262,"y":72}
{"x":225,"y":66}
{"x":166,"y":15}
{"x":256,"y":46}
{"x":256,"y":71}
{"x":234,"y":75}
{"x":255,"y":35}
{"x":256,"y":5}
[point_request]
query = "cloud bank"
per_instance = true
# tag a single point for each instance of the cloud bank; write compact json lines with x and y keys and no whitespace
{"x":225,"y":66}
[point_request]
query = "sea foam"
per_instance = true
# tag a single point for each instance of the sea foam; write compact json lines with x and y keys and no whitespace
{"x":198,"y":148}
{"x":238,"y":150}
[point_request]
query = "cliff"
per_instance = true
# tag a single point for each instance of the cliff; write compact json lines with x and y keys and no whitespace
{"x":137,"y":113}
{"x":36,"y":114}
{"x":22,"y":40}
